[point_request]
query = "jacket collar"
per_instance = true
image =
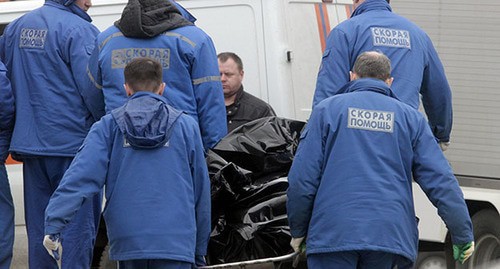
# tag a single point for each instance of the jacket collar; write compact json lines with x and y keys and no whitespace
{"x":70,"y":8}
{"x":370,"y":5}
{"x":368,"y":84}
{"x":150,"y":94}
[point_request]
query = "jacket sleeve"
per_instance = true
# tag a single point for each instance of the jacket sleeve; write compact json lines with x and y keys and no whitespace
{"x":7,"y":113}
{"x":7,"y":106}
{"x":434,"y":175}
{"x":305,"y":176}
{"x":334,"y":68}
{"x":436,"y":96}
{"x":84,"y":178}
{"x":81,"y":46}
{"x":201,"y":183}
{"x":209,"y":94}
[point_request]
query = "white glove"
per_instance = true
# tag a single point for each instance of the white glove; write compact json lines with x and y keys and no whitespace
{"x":444,"y":146}
{"x":52,"y":244}
{"x":295,"y":243}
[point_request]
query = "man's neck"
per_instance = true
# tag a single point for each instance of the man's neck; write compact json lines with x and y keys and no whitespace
{"x":230,"y":100}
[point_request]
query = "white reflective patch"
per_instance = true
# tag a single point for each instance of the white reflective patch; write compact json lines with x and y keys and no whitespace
{"x":32,"y":38}
{"x":372,"y":120}
{"x":121,"y":57}
{"x":391,"y":37}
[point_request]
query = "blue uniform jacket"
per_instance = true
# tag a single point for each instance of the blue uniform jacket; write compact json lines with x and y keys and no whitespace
{"x":150,"y":157}
{"x":190,"y":70}
{"x":46,"y":52}
{"x":416,"y":67}
{"x":6,"y":113}
{"x":351,"y":179}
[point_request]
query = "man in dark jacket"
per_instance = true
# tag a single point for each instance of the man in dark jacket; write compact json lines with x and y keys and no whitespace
{"x":156,"y":29}
{"x":150,"y":158}
{"x":241,"y":107}
{"x":417,"y":67}
{"x":46,"y":52}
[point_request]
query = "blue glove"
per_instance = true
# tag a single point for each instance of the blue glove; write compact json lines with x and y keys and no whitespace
{"x":463,"y":251}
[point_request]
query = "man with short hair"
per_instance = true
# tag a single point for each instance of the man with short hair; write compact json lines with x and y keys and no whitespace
{"x":241,"y":106}
{"x":46,"y":52}
{"x":150,"y":158}
{"x":417,"y":67}
{"x":350,"y":185}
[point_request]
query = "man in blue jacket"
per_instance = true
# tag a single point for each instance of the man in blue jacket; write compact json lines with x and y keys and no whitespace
{"x":350,"y":185}
{"x":417,"y":67}
{"x":46,"y":52}
{"x":150,"y":158}
{"x":156,"y":29}
{"x":6,"y":203}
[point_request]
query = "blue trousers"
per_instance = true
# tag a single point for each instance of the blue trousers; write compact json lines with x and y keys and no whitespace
{"x":357,"y":260}
{"x":6,"y":220}
{"x":154,"y":264}
{"x":41,"y":178}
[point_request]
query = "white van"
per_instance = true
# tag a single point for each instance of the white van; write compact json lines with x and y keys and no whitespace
{"x":281,"y":44}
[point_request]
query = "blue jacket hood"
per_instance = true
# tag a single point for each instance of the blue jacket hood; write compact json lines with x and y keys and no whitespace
{"x":370,"y":5}
{"x":368,"y":84}
{"x":70,"y":4}
{"x":146,"y":120}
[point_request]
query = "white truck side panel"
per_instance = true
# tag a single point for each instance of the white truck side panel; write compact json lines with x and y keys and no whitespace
{"x":308,"y":24}
{"x":466,"y":37}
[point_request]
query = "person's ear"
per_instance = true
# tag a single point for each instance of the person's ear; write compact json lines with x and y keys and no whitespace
{"x":161,"y":89}
{"x":353,"y":75}
{"x":389,"y":81}
{"x":128,"y":90}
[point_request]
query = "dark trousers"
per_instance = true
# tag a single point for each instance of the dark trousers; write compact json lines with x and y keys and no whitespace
{"x":6,"y":220}
{"x":357,"y":260}
{"x":153,"y":264}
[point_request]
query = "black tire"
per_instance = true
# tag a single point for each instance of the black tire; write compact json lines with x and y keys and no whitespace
{"x":105,"y":262}
{"x":430,"y":260}
{"x":486,"y":224}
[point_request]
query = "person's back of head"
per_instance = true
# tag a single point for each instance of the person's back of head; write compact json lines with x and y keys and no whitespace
{"x":144,"y":74}
{"x":372,"y":64}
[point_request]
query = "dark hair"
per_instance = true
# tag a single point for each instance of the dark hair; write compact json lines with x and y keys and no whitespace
{"x":143,"y":74}
{"x":372,"y":64}
{"x":224,"y":56}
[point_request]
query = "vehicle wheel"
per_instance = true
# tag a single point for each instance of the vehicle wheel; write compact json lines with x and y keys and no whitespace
{"x":431,"y":260}
{"x":106,"y":263}
{"x":486,"y":224}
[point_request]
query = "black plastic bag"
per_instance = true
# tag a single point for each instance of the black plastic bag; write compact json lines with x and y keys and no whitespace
{"x":247,"y":170}
{"x":262,"y":233}
{"x":264,"y":146}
